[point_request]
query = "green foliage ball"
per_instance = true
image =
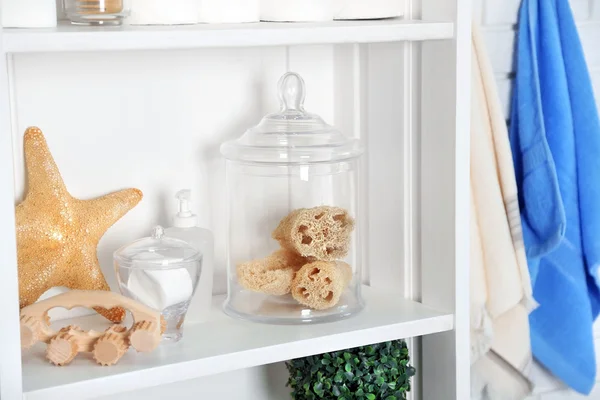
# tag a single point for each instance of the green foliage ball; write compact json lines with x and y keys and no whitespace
{"x":376,"y":372}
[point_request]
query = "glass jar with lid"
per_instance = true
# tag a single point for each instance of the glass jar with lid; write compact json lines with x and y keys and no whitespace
{"x":294,"y":234}
{"x":162,"y":273}
{"x":97,"y":12}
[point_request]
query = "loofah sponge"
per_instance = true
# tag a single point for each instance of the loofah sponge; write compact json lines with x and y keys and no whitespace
{"x":320,"y":284}
{"x":271,"y":275}
{"x":321,"y":232}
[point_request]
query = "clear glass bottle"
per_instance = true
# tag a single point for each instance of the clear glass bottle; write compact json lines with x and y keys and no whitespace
{"x":294,"y":237}
{"x":185,"y":228}
{"x":162,"y":273}
{"x":97,"y":12}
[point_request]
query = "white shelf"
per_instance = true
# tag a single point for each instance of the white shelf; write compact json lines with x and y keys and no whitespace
{"x":225,"y":344}
{"x":78,"y":38}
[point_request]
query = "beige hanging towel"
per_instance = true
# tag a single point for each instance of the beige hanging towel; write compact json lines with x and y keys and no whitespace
{"x":501,"y":294}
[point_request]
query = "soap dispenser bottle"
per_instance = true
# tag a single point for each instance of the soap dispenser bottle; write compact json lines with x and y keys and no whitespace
{"x":185,"y":228}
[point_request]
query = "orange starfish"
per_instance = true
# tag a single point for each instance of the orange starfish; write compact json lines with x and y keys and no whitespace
{"x":57,"y":234}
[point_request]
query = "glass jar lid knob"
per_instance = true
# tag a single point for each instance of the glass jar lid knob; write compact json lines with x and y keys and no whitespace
{"x":292,"y":92}
{"x":158,"y":232}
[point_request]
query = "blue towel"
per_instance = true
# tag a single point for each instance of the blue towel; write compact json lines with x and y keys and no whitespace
{"x":555,"y":139}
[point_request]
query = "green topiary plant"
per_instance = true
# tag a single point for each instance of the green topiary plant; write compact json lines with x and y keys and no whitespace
{"x":376,"y":372}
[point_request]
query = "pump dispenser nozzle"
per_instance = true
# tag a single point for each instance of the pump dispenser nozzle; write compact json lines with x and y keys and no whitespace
{"x":184,"y":218}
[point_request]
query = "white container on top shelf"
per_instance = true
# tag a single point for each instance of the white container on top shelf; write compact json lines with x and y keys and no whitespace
{"x":229,"y":11}
{"x":28,"y":13}
{"x":296,"y":11}
{"x":163,"y":12}
{"x":371,"y":9}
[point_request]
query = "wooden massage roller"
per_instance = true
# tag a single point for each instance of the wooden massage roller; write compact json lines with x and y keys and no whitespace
{"x":106,"y":347}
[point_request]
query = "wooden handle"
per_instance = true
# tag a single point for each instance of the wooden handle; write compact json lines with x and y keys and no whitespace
{"x":90,"y":299}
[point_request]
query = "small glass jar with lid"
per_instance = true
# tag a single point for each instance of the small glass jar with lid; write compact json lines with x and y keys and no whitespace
{"x":294,"y":234}
{"x":162,"y":273}
{"x":97,"y":12}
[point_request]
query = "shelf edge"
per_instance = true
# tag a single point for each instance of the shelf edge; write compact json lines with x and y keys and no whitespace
{"x":43,"y":41}
{"x":165,"y":374}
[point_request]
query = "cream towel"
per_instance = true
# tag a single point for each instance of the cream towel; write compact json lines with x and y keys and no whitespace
{"x":501,"y":294}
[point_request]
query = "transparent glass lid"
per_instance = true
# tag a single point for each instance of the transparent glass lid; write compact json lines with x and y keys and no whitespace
{"x":292,"y":135}
{"x":157,"y":252}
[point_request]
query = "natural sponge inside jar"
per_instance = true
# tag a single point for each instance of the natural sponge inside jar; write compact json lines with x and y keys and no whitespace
{"x":312,"y":241}
{"x":320,"y":284}
{"x":322,"y":233}
{"x":271,"y":275}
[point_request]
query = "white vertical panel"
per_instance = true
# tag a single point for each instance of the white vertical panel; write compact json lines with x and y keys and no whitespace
{"x":479,"y":9}
{"x":315,"y":64}
{"x":589,"y":34}
{"x":274,"y":64}
{"x":581,"y":9}
{"x":445,"y":199}
{"x":350,"y":117}
{"x":596,"y":83}
{"x":411,"y":170}
{"x":10,"y":346}
{"x":411,"y":262}
{"x":350,"y":88}
{"x":500,"y":41}
{"x":500,"y":12}
{"x":385,"y":156}
{"x":412,"y":176}
{"x":504,"y":92}
{"x":595,"y":9}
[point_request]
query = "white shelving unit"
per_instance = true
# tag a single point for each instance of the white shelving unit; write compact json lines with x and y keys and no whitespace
{"x":227,"y":345}
{"x":401,"y":84}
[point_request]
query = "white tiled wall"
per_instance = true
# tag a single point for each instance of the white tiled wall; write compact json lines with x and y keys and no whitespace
{"x":498,"y":19}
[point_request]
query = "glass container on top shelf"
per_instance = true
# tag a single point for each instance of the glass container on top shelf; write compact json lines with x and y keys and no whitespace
{"x":97,"y":12}
{"x":294,"y":237}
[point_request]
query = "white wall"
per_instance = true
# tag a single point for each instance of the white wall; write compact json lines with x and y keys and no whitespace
{"x":498,"y":18}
